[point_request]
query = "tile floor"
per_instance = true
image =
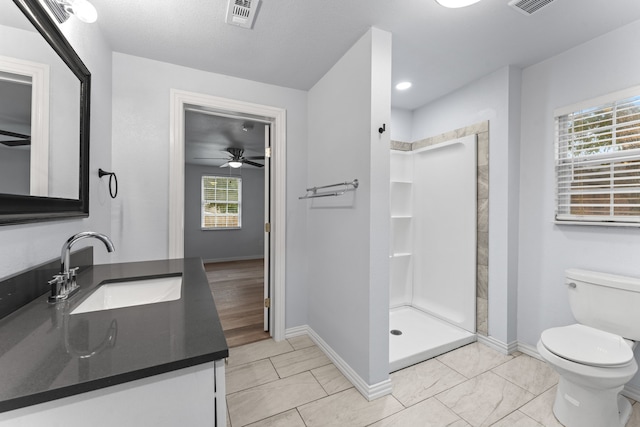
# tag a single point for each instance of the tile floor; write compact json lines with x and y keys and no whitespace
{"x":293,"y":384}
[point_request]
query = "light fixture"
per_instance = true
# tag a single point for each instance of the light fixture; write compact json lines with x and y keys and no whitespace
{"x":403,"y":85}
{"x":235,"y":164}
{"x":456,"y":3}
{"x":82,"y":9}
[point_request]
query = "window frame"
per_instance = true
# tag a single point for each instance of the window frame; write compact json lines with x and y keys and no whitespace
{"x":616,"y":161}
{"x":204,"y":201}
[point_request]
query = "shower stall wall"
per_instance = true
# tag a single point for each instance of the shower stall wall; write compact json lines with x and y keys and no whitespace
{"x":433,"y":254}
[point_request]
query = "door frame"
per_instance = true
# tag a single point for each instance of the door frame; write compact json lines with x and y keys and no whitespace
{"x":277,"y":116}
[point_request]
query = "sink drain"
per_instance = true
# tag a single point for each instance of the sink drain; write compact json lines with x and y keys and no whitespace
{"x":396,"y":332}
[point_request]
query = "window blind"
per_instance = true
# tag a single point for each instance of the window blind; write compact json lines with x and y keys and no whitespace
{"x":221,"y":202}
{"x":598,"y":162}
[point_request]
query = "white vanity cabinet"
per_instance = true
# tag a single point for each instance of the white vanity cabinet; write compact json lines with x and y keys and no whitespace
{"x":193,"y":396}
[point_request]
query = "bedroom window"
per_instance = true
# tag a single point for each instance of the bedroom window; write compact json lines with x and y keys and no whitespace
{"x":598,"y":161}
{"x":221,"y":202}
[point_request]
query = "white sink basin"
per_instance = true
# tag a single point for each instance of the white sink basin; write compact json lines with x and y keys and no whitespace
{"x":132,"y":292}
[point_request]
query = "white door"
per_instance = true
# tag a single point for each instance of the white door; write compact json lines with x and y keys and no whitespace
{"x":267,"y":228}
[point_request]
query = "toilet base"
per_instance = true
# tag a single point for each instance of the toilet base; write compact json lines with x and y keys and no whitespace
{"x":579,"y":406}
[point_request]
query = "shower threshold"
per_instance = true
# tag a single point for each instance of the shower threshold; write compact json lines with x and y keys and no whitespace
{"x":419,"y":336}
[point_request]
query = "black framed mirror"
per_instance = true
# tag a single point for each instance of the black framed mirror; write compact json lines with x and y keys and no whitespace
{"x":23,"y":208}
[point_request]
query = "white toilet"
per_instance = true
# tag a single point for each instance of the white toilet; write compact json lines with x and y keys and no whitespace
{"x":595,"y":357}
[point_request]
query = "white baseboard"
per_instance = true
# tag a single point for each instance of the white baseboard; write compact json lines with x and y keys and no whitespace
{"x":296,"y":331}
{"x":370,"y":392}
{"x":632,"y":392}
{"x":498,"y":345}
{"x":529,"y":350}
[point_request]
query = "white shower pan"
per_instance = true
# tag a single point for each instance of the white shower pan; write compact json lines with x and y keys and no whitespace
{"x":423,"y":337}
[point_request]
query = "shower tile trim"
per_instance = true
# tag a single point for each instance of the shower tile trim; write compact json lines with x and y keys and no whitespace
{"x":481,"y":129}
{"x":400,"y":146}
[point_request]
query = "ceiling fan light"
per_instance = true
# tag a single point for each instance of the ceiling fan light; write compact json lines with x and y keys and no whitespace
{"x":235,"y":164}
{"x":82,"y":9}
{"x":453,"y":4}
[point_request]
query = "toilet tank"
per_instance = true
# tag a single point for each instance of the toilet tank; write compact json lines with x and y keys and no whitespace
{"x":605,"y":301}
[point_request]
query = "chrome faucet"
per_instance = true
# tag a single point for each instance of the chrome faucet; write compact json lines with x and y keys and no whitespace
{"x":64,"y":284}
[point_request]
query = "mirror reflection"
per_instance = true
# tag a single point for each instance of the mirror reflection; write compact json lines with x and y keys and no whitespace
{"x":39,"y":110}
{"x":15,"y":133}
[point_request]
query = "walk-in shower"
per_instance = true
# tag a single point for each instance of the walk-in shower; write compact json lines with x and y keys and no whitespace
{"x":433,"y":253}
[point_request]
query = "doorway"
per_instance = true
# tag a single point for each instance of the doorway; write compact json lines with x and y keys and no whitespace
{"x":227,"y":200}
{"x":275,"y":212}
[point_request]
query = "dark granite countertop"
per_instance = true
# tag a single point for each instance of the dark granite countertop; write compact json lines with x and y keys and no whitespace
{"x":46,"y":353}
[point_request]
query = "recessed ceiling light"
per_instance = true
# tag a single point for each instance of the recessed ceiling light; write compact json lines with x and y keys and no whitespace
{"x":403,"y":85}
{"x":456,"y":3}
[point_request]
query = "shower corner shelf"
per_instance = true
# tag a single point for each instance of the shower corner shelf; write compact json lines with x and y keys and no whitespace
{"x":401,"y":213}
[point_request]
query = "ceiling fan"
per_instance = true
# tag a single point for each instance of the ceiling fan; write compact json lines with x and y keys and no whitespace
{"x":236,"y":159}
{"x":21,"y":139}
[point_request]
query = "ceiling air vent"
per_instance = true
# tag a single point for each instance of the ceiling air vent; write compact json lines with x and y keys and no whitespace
{"x":241,"y":12}
{"x":529,"y":7}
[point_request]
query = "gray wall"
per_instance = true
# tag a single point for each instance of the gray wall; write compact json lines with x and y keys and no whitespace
{"x":225,"y":245}
{"x":348,"y":236}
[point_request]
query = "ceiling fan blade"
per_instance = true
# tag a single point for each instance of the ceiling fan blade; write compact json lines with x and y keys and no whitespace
{"x":255,"y":157}
{"x":210,"y":158}
{"x":249,"y":162}
{"x":226,"y":165}
{"x":16,"y":142}
{"x":14,"y":134}
{"x":22,"y":139}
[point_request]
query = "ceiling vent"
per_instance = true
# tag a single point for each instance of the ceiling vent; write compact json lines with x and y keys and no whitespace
{"x":529,"y":7}
{"x":241,"y":12}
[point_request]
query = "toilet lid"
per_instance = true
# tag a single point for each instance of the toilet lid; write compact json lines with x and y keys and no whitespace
{"x":586,"y":345}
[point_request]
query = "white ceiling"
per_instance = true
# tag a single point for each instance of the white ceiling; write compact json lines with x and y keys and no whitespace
{"x":295,"y":42}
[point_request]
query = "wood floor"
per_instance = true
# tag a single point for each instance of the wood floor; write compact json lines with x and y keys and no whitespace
{"x":238,"y":291}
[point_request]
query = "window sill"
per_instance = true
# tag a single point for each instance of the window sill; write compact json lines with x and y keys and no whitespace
{"x":598,"y":223}
{"x":220,"y":229}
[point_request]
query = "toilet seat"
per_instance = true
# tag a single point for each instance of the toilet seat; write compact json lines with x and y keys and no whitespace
{"x":588,"y":346}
